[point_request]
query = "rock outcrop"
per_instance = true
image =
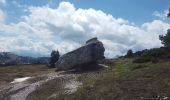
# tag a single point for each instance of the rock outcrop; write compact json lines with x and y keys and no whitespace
{"x":92,"y":51}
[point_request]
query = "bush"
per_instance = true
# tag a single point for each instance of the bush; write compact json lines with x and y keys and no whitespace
{"x":138,"y":67}
{"x":142,"y":60}
{"x":154,"y":60}
{"x":155,"y":53}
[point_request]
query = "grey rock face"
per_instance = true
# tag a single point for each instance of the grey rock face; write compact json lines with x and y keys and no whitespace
{"x":92,"y":51}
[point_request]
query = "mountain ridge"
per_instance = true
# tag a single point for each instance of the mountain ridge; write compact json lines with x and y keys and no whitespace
{"x":9,"y":58}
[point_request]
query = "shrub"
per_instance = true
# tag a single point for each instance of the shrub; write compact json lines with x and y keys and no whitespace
{"x":138,"y":67}
{"x":154,"y":60}
{"x":156,"y":52}
{"x":142,"y":60}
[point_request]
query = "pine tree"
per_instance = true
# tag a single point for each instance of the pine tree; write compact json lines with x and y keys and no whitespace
{"x":54,"y":58}
{"x":129,"y":54}
{"x":166,"y":38}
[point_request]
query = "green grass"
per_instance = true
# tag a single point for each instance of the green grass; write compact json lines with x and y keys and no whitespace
{"x":125,"y":80}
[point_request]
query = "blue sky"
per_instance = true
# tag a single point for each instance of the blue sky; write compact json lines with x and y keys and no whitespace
{"x":137,"y":11}
{"x":35,"y":27}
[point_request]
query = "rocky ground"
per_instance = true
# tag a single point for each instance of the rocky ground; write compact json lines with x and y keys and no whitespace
{"x":19,"y":90}
{"x":61,"y":83}
{"x":120,"y":79}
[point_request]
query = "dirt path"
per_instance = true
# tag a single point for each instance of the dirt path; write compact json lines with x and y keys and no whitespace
{"x":21,"y":88}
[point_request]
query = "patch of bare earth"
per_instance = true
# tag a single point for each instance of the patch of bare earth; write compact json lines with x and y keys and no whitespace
{"x":20,"y":90}
{"x":62,"y":87}
{"x":42,"y":84}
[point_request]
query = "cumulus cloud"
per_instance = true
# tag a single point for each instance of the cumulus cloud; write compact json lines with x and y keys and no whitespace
{"x":66,"y":28}
{"x":161,"y":15}
{"x":2,"y":2}
{"x":2,"y":16}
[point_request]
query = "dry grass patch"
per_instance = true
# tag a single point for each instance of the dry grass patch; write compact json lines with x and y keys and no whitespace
{"x":7,"y":74}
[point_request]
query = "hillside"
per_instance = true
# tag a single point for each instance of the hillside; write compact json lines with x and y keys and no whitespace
{"x":122,"y":80}
{"x":9,"y":58}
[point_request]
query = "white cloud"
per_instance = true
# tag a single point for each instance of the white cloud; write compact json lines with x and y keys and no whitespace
{"x":2,"y":2}
{"x":2,"y":16}
{"x":161,"y":15}
{"x":67,"y":28}
{"x":156,"y":27}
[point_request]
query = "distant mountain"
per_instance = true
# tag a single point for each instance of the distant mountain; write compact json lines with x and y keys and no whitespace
{"x":9,"y":58}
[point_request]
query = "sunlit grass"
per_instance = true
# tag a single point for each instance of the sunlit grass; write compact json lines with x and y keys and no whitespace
{"x":7,"y":74}
{"x":125,"y":80}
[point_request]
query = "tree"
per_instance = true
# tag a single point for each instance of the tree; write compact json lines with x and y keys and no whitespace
{"x":165,"y":39}
{"x":129,"y":54}
{"x":54,"y":58}
{"x":168,"y":15}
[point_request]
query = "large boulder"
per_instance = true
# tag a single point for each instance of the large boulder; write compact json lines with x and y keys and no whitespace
{"x":91,"y":52}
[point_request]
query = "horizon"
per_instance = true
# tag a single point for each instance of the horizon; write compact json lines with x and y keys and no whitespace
{"x":34,"y":28}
